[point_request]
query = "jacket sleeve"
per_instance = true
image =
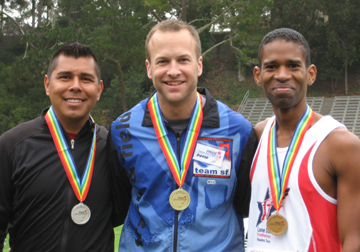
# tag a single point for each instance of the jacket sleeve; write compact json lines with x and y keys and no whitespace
{"x":120,"y":184}
{"x":243,"y":187}
{"x":6,"y":192}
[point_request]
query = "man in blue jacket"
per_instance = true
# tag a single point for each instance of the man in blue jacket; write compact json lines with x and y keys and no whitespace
{"x":180,"y":159}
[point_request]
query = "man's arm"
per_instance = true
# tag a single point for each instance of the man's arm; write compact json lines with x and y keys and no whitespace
{"x":120,"y":185}
{"x":243,"y":187}
{"x":344,"y":153}
{"x":6,"y":192}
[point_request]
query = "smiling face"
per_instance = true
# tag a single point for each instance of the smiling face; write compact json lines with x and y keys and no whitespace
{"x":284,"y":75}
{"x":174,"y":69}
{"x":73,"y":89}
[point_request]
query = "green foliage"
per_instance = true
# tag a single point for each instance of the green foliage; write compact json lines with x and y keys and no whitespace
{"x":110,"y":106}
{"x":117,"y":234}
{"x":116,"y":31}
{"x":250,"y":24}
{"x":10,"y":47}
{"x":330,"y":27}
{"x":22,"y":92}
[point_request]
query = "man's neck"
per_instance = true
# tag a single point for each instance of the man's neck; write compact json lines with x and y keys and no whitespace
{"x":288,"y":118}
{"x":178,"y":125}
{"x":72,"y":126}
{"x":177,"y":110}
{"x":286,"y":122}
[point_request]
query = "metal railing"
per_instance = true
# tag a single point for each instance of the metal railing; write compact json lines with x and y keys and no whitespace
{"x":243,"y":102}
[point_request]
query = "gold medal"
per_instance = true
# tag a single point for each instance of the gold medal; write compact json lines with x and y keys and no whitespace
{"x":179,"y":199}
{"x":277,"y":224}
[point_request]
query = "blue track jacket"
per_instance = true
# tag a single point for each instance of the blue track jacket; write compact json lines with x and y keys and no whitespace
{"x":143,"y":182}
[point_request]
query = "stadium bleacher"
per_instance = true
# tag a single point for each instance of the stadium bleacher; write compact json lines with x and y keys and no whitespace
{"x":345,"y":109}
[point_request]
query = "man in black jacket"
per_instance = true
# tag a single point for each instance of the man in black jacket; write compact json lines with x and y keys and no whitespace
{"x":54,"y":189}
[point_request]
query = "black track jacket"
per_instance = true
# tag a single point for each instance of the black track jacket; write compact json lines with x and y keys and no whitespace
{"x":36,"y":197}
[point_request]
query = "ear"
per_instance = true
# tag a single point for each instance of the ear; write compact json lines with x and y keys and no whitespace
{"x":148,"y":69}
{"x":200,"y":66}
{"x":257,"y":78}
{"x":47,"y":85}
{"x":100,"y":89}
{"x":312,"y":71}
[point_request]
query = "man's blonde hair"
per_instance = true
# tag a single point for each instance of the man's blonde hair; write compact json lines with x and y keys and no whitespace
{"x":174,"y":25}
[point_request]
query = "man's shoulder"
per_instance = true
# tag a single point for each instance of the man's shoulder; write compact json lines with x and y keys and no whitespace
{"x":260,"y":126}
{"x":20,"y":132}
{"x":342,"y":138}
{"x":101,"y":131}
{"x":339,"y":144}
{"x":230,"y":112}
{"x":136,"y":112}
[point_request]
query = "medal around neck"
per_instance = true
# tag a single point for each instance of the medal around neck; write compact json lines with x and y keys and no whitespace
{"x":179,"y":199}
{"x":277,"y":224}
{"x":80,"y":213}
{"x":278,"y":181}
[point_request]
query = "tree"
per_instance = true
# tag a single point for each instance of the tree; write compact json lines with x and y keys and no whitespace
{"x":342,"y":15}
{"x":240,"y":22}
{"x":116,"y":30}
{"x":326,"y":26}
{"x":250,"y":24}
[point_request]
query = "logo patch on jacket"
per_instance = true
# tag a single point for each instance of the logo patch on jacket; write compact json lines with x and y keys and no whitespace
{"x":212,"y":161}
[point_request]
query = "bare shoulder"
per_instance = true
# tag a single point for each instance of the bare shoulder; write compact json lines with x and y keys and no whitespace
{"x":343,"y":148}
{"x":341,"y":138}
{"x":259,"y":127}
{"x":337,"y":161}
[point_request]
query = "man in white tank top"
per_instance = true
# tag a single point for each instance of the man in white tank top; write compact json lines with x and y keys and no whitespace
{"x":305,"y":176}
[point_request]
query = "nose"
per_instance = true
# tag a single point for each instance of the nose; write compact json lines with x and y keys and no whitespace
{"x":76,"y":85}
{"x":282,"y":73}
{"x":173,"y":70}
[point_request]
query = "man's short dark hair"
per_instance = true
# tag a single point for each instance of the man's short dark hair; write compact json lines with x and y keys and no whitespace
{"x":289,"y":35}
{"x":75,"y":50}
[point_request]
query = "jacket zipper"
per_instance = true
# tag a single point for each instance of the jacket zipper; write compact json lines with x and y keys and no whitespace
{"x":66,"y":223}
{"x":66,"y":219}
{"x":176,"y":222}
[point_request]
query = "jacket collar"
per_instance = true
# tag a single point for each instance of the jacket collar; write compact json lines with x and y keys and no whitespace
{"x":88,"y":126}
{"x":210,"y":111}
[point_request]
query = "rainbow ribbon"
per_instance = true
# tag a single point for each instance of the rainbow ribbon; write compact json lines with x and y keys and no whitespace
{"x":279,"y":183}
{"x":178,"y":172}
{"x":80,"y":188}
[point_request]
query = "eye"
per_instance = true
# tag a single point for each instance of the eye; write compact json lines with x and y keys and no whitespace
{"x":294,"y":65}
{"x":270,"y":67}
{"x":161,"y":62}
{"x":184,"y":60}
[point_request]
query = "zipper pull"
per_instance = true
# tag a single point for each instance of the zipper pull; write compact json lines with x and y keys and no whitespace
{"x":72,"y":142}
{"x":178,"y":136}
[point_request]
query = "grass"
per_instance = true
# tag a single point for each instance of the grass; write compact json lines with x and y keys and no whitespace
{"x":6,"y":247}
{"x":117,"y":232}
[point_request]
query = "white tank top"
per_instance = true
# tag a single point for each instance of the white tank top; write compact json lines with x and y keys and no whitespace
{"x":310,"y":213}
